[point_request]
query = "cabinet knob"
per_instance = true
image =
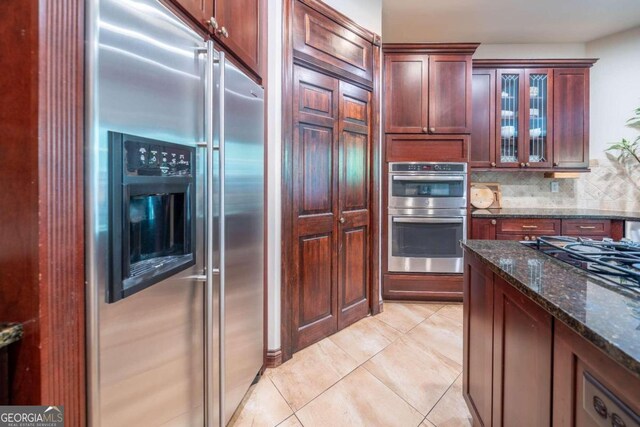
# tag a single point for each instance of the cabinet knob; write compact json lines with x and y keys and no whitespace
{"x":425,"y":130}
{"x":223,"y":32}
{"x":494,"y":222}
{"x":600,"y":407}
{"x":527,"y":164}
{"x":526,"y":238}
{"x":213,"y":23}
{"x":433,"y":130}
{"x":556,"y":164}
{"x":521,"y":165}
{"x":493,"y":164}
{"x":617,"y":421}
{"x":342,"y":220}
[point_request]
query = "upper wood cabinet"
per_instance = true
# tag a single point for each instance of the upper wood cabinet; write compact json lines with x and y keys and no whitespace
{"x":240,"y":29}
{"x":428,"y":88}
{"x":449,"y":94}
{"x":483,"y":130}
{"x":530,"y":114}
{"x":571,"y":118}
{"x":406,"y":93}
{"x":239,"y":25}
{"x":322,"y":39}
{"x":200,"y":10}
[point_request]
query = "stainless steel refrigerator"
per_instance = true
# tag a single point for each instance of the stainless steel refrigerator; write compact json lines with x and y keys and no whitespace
{"x":175,"y":233}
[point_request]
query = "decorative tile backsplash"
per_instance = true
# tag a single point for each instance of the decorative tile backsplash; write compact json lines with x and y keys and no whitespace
{"x":609,"y":186}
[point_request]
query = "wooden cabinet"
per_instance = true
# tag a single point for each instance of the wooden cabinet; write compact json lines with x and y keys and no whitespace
{"x":241,"y":29}
{"x":522,"y":348}
{"x":428,"y":88}
{"x":483,"y":228}
{"x":586,"y":227}
{"x":478,"y":338}
{"x":426,"y":148}
{"x":508,"y":347}
{"x":578,"y":363}
{"x":523,"y":367}
{"x":483,"y":130}
{"x":331,"y":170}
{"x":530,"y":114}
{"x":530,"y":228}
{"x":571,"y":119}
{"x":449,"y":94}
{"x":200,"y":10}
{"x":406,"y":93}
{"x":330,"y":44}
{"x":239,"y":25}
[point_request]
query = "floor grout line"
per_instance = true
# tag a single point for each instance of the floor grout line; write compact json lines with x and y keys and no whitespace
{"x":283,"y":398}
{"x":443,"y":394}
{"x":400,"y":335}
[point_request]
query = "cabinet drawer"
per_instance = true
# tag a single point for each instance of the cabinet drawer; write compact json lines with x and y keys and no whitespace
{"x":424,"y":148}
{"x":518,"y":237}
{"x":529,"y":226}
{"x":586,"y":227}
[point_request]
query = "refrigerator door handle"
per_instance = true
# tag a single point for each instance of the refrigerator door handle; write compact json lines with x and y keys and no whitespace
{"x":222,"y":230}
{"x":212,"y":411}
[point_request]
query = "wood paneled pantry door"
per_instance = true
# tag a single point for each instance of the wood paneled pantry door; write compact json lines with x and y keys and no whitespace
{"x":331,"y":212}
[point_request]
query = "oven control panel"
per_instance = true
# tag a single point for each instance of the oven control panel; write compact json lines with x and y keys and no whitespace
{"x":428,"y":167}
{"x":157,"y":159}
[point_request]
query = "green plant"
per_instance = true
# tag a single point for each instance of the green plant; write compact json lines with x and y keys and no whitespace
{"x":629,"y":150}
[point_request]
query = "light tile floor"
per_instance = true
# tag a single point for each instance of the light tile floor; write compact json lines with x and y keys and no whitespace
{"x":401,"y":368}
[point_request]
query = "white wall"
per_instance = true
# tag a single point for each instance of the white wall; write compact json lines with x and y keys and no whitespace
{"x":615,"y":88}
{"x":530,"y":51}
{"x":367,"y":13}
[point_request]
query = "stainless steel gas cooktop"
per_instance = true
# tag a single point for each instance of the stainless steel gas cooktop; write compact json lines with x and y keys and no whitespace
{"x":615,"y":261}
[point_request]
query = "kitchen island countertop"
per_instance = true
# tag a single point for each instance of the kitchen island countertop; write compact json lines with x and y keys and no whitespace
{"x":608,"y":316}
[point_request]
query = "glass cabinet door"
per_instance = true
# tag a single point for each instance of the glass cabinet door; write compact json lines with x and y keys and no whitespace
{"x":510,"y":88}
{"x":538,"y":118}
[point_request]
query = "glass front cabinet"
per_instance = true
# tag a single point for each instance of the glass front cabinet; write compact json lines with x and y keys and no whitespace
{"x":530,"y":114}
{"x":524,"y":111}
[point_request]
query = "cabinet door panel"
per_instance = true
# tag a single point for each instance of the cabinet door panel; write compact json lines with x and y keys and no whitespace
{"x":483,"y":228}
{"x":571,"y":118}
{"x":538,"y":122}
{"x":242,"y":20}
{"x":478,"y":338}
{"x":200,"y":10}
{"x":406,"y":93}
{"x":314,"y":206}
{"x":509,"y":125}
{"x":483,"y":130}
{"x":522,"y":350}
{"x":449,"y":94}
{"x":330,"y":45}
{"x":353,"y":275}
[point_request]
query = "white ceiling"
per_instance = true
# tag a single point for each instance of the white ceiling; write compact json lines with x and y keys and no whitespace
{"x":506,"y":21}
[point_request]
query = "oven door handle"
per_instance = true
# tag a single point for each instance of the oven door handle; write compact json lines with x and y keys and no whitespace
{"x":429,"y":220}
{"x":428,"y":177}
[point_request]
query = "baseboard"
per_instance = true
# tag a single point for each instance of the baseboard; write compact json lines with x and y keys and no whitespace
{"x":274,"y":358}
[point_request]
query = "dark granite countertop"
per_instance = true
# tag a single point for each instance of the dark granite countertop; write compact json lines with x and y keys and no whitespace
{"x":554,"y":213}
{"x":605,"y":315}
{"x":9,"y":333}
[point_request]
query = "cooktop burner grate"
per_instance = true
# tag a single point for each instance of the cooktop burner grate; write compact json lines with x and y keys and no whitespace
{"x":618,"y":262}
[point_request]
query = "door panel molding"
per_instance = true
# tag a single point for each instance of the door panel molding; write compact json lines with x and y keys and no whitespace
{"x":352,"y":115}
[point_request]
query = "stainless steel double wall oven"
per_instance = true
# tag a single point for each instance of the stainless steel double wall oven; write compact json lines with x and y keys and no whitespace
{"x":427,"y":217}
